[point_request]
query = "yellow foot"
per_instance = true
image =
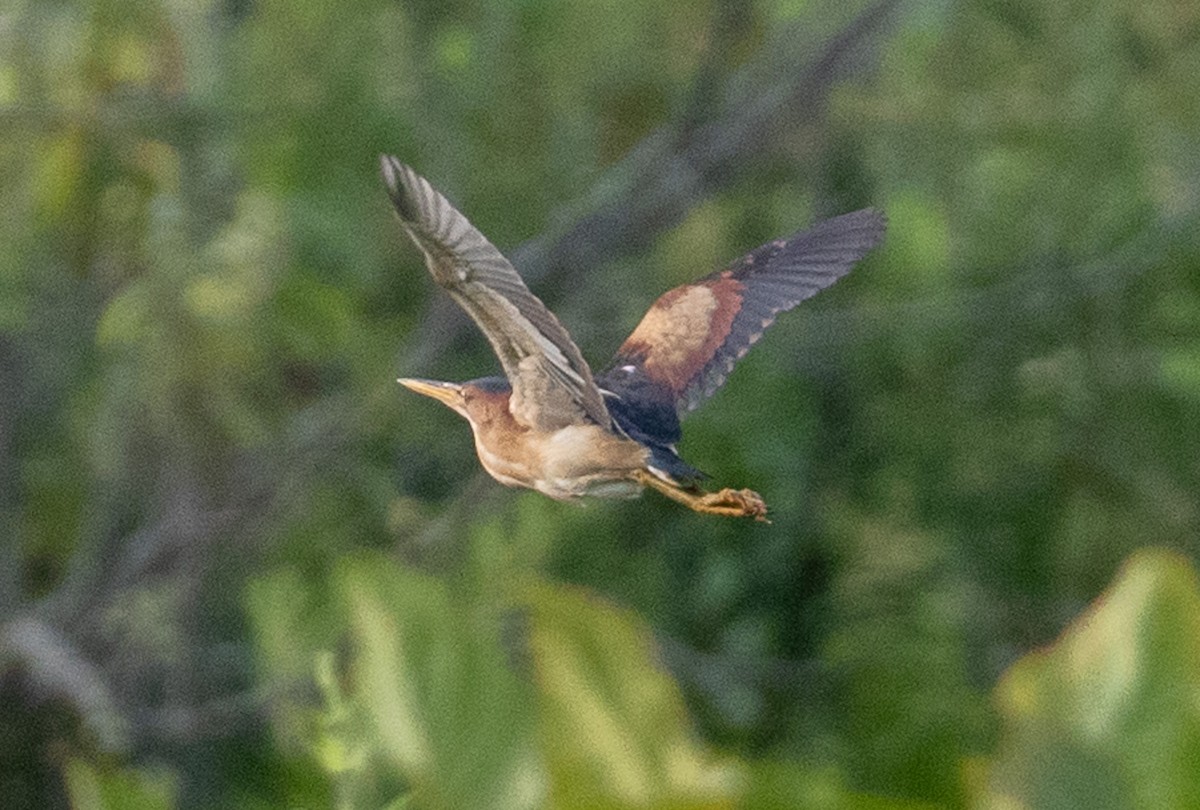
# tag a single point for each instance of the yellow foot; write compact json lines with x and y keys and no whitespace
{"x":729,"y":502}
{"x":735,"y":503}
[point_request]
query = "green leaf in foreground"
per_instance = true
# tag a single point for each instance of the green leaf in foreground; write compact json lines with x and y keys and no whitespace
{"x":108,"y":788}
{"x":1109,"y":716}
{"x":786,"y":786}
{"x":448,"y":711}
{"x":614,"y":729}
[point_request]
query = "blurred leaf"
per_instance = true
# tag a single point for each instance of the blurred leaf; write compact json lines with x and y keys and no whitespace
{"x":905,"y":693}
{"x":783,"y":786}
{"x":291,"y":625}
{"x":14,"y":303}
{"x":613,"y":723}
{"x":289,"y":621}
{"x":315,"y":319}
{"x":918,"y":243}
{"x":125,"y":318}
{"x":340,"y":748}
{"x":59,"y":169}
{"x":91,"y":788}
{"x":344,"y":745}
{"x":448,"y":711}
{"x":1181,"y":369}
{"x":1109,"y":716}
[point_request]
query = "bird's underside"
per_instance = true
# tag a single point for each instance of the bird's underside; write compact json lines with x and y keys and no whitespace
{"x":551,"y":425}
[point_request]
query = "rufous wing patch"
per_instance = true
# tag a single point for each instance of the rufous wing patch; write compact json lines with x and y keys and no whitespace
{"x":683,"y":330}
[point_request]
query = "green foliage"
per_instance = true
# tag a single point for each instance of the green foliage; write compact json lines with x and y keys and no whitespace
{"x":92,"y":788}
{"x":1110,"y":715}
{"x":240,"y":568}
{"x":613,"y":724}
{"x":555,"y":701}
{"x":449,"y":714}
{"x":559,"y":700}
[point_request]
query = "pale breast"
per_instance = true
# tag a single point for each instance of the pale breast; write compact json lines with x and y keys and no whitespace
{"x":576,"y":460}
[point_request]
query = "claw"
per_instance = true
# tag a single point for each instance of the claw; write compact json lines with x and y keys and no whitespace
{"x":736,"y":503}
{"x":728,"y":502}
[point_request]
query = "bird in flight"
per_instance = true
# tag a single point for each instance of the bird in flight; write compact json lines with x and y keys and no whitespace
{"x":552,"y":425}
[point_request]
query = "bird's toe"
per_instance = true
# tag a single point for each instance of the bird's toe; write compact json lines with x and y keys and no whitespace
{"x":738,"y":503}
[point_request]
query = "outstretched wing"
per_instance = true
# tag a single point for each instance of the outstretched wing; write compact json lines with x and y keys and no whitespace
{"x":551,"y":383}
{"x":690,"y":339}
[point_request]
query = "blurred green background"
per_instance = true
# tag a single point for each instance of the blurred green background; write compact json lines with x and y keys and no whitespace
{"x":240,"y":567}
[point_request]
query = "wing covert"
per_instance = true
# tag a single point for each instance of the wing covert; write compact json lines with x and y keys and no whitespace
{"x":552,"y":384}
{"x":693,"y":335}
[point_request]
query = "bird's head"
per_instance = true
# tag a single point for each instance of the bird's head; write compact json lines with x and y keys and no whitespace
{"x":476,"y":400}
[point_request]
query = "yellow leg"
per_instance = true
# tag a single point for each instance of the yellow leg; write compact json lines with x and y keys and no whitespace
{"x":730,"y":502}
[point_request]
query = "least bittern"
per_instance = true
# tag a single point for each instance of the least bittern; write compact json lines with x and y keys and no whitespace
{"x":549,"y":424}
